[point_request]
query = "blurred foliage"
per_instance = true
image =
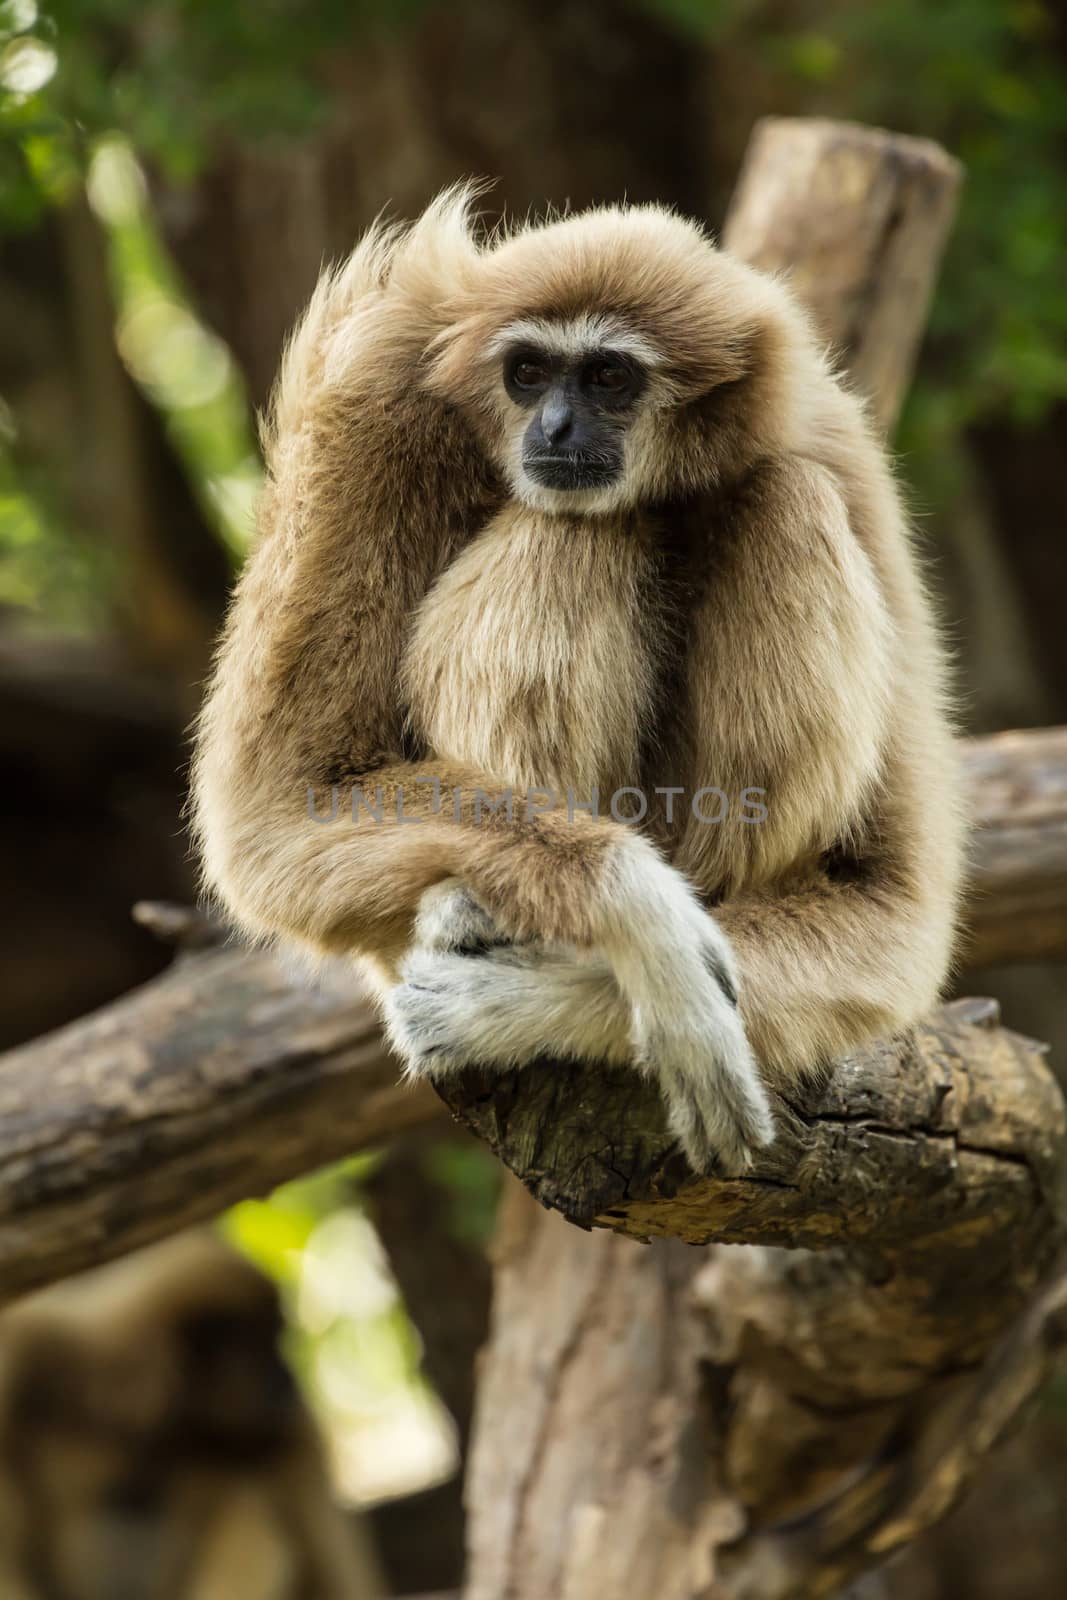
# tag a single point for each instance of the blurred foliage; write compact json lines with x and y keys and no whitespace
{"x":175,"y":75}
{"x":349,"y":1339}
{"x":185,"y":370}
{"x":988,"y":79}
{"x":48,"y":571}
{"x":469,"y":1180}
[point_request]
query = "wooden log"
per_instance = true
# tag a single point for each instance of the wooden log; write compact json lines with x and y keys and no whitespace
{"x":131,"y":1123}
{"x":857,"y":219}
{"x":1017,"y":905}
{"x":212,"y":1083}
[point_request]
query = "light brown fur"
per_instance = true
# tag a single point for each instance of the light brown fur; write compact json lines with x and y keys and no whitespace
{"x":747,"y":613}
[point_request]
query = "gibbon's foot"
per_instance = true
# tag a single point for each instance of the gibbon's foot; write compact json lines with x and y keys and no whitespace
{"x":450,"y":918}
{"x":504,"y":1008}
{"x":514,"y":1004}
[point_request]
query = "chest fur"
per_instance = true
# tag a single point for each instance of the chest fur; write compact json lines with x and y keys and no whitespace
{"x":533,"y":657}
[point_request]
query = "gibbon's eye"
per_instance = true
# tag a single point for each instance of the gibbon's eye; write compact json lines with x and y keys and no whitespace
{"x":529,"y":375}
{"x":610,"y":377}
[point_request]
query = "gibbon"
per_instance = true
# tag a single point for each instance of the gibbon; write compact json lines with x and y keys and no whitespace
{"x":154,"y":1447}
{"x":572,"y":515}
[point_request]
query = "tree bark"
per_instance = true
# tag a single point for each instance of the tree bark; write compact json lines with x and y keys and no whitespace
{"x":1017,"y":909}
{"x":765,"y":1422}
{"x":757,"y":1424}
{"x":951,"y":1132}
{"x":212,"y":1083}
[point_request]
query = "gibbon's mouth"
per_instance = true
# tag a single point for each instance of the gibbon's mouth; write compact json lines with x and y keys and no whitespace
{"x":573,"y":469}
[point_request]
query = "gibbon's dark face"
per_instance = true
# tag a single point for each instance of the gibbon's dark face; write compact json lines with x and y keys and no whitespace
{"x":580,"y":407}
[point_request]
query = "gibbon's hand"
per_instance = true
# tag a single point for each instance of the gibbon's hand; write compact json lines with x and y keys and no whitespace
{"x":692,"y":1038}
{"x":671,"y":1010}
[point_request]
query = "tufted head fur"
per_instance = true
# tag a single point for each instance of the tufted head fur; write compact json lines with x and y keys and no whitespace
{"x":712,"y":336}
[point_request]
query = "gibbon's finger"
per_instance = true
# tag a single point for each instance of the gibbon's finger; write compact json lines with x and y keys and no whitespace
{"x":715,"y":1096}
{"x":720,"y":1118}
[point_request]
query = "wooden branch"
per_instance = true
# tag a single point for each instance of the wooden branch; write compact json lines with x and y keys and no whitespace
{"x":214,"y":1082}
{"x":228,"y":1075}
{"x":961,"y":1123}
{"x":858,"y":219}
{"x":774,"y":1420}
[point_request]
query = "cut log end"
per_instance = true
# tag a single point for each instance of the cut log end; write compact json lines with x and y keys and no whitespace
{"x":857,"y":219}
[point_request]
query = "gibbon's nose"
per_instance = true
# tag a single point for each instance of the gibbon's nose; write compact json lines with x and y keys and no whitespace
{"x":556,"y":420}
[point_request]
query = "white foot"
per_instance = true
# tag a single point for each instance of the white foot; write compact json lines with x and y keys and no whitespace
{"x":504,"y":1008}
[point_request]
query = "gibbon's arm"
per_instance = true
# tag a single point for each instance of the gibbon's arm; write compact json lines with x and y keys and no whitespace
{"x":861,"y":951}
{"x":372,"y":485}
{"x":855,"y":937}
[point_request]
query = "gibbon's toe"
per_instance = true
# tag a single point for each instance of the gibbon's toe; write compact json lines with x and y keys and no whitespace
{"x":450,"y":918}
{"x":417,"y":1027}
